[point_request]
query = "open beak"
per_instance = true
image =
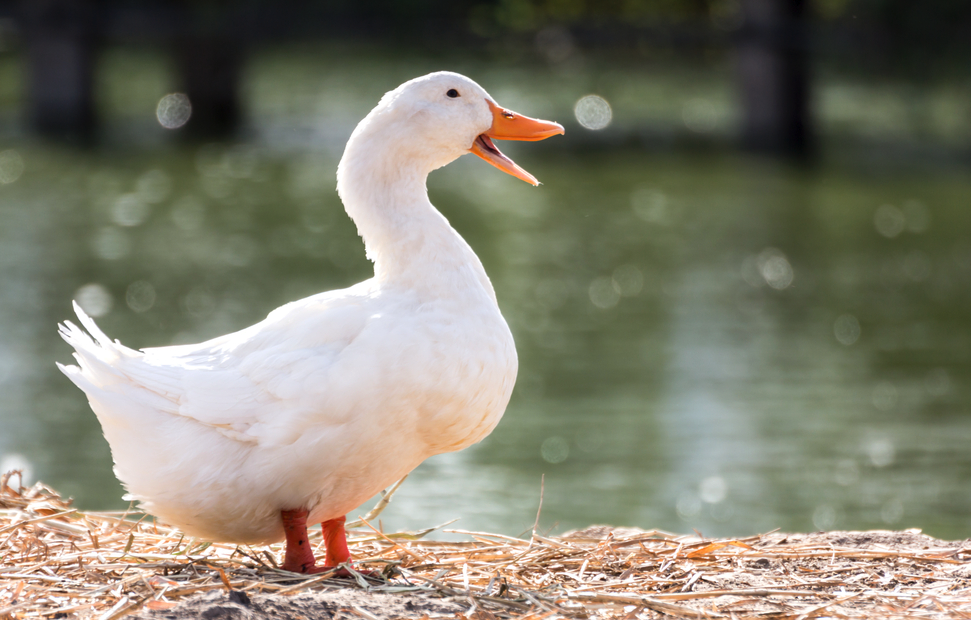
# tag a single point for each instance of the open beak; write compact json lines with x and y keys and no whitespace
{"x":508,"y":125}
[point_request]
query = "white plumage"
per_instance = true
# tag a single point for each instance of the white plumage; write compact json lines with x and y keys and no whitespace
{"x":336,"y":396}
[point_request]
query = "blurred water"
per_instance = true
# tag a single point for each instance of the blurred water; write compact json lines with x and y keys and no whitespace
{"x":705,"y":341}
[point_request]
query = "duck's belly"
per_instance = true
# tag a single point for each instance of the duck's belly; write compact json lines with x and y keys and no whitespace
{"x":246,"y":508}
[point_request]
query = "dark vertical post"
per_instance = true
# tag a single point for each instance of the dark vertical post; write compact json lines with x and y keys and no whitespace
{"x":209,"y":70}
{"x":60,"y":66}
{"x":209,"y":60}
{"x":773,"y":77}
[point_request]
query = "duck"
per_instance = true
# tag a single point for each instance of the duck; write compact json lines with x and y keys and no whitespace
{"x":253,"y":436}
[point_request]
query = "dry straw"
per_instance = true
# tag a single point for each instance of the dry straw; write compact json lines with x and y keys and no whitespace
{"x":56,"y":561}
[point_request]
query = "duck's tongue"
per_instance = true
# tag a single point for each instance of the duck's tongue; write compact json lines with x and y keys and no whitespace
{"x":508,"y":125}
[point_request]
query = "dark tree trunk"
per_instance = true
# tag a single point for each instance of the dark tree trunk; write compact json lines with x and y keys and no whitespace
{"x":59,"y":66}
{"x":209,"y":72}
{"x":209,"y":58}
{"x":773,"y":77}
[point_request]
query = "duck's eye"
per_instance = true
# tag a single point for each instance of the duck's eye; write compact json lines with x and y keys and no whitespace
{"x":452,"y":93}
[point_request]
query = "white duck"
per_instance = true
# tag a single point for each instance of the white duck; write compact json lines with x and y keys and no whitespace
{"x":302,"y":417}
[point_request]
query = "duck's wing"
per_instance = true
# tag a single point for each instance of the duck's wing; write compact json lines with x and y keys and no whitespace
{"x":264,"y":384}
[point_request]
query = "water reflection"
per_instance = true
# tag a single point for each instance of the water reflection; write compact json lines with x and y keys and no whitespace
{"x":704,"y":343}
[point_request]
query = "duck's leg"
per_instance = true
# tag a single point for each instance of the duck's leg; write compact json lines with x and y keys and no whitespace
{"x":299,"y":557}
{"x":336,"y":540}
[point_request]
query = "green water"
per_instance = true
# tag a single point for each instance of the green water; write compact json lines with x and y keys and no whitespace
{"x":706,"y":341}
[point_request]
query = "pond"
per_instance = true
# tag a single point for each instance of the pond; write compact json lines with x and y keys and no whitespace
{"x":706,"y":340}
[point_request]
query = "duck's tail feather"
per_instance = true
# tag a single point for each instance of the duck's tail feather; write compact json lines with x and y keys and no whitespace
{"x":97,"y":355}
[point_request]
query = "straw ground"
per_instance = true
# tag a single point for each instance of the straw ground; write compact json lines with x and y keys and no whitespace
{"x":58,"y":562}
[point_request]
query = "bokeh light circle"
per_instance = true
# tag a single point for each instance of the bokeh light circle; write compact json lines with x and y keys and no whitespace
{"x":11,"y":166}
{"x":94,"y":299}
{"x":603,"y":294}
{"x":555,"y":450}
{"x":889,"y":221}
{"x":847,"y":329}
{"x":713,"y":489}
{"x":14,"y":461}
{"x":173,"y":110}
{"x":140,"y":296}
{"x":775,"y":268}
{"x":593,"y":112}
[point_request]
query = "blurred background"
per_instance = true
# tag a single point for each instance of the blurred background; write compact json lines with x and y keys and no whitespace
{"x":741,"y":297}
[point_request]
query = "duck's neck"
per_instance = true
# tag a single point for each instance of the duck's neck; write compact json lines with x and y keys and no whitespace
{"x":409,"y":241}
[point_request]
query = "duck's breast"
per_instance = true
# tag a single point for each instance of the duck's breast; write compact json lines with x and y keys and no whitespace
{"x":441,"y":369}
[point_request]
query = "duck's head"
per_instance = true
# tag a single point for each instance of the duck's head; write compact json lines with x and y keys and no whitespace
{"x":432,"y":120}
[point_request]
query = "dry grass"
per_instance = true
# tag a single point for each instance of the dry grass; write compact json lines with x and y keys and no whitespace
{"x":56,"y":561}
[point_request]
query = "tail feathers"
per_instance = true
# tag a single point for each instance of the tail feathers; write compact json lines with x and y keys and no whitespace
{"x":77,"y":376}
{"x":108,"y":370}
{"x":97,"y":356}
{"x":88,"y":323}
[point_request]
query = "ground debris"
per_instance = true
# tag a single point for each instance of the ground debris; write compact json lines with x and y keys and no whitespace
{"x":59,"y":562}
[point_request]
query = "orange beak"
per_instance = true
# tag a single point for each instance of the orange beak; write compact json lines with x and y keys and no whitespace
{"x":508,"y":125}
